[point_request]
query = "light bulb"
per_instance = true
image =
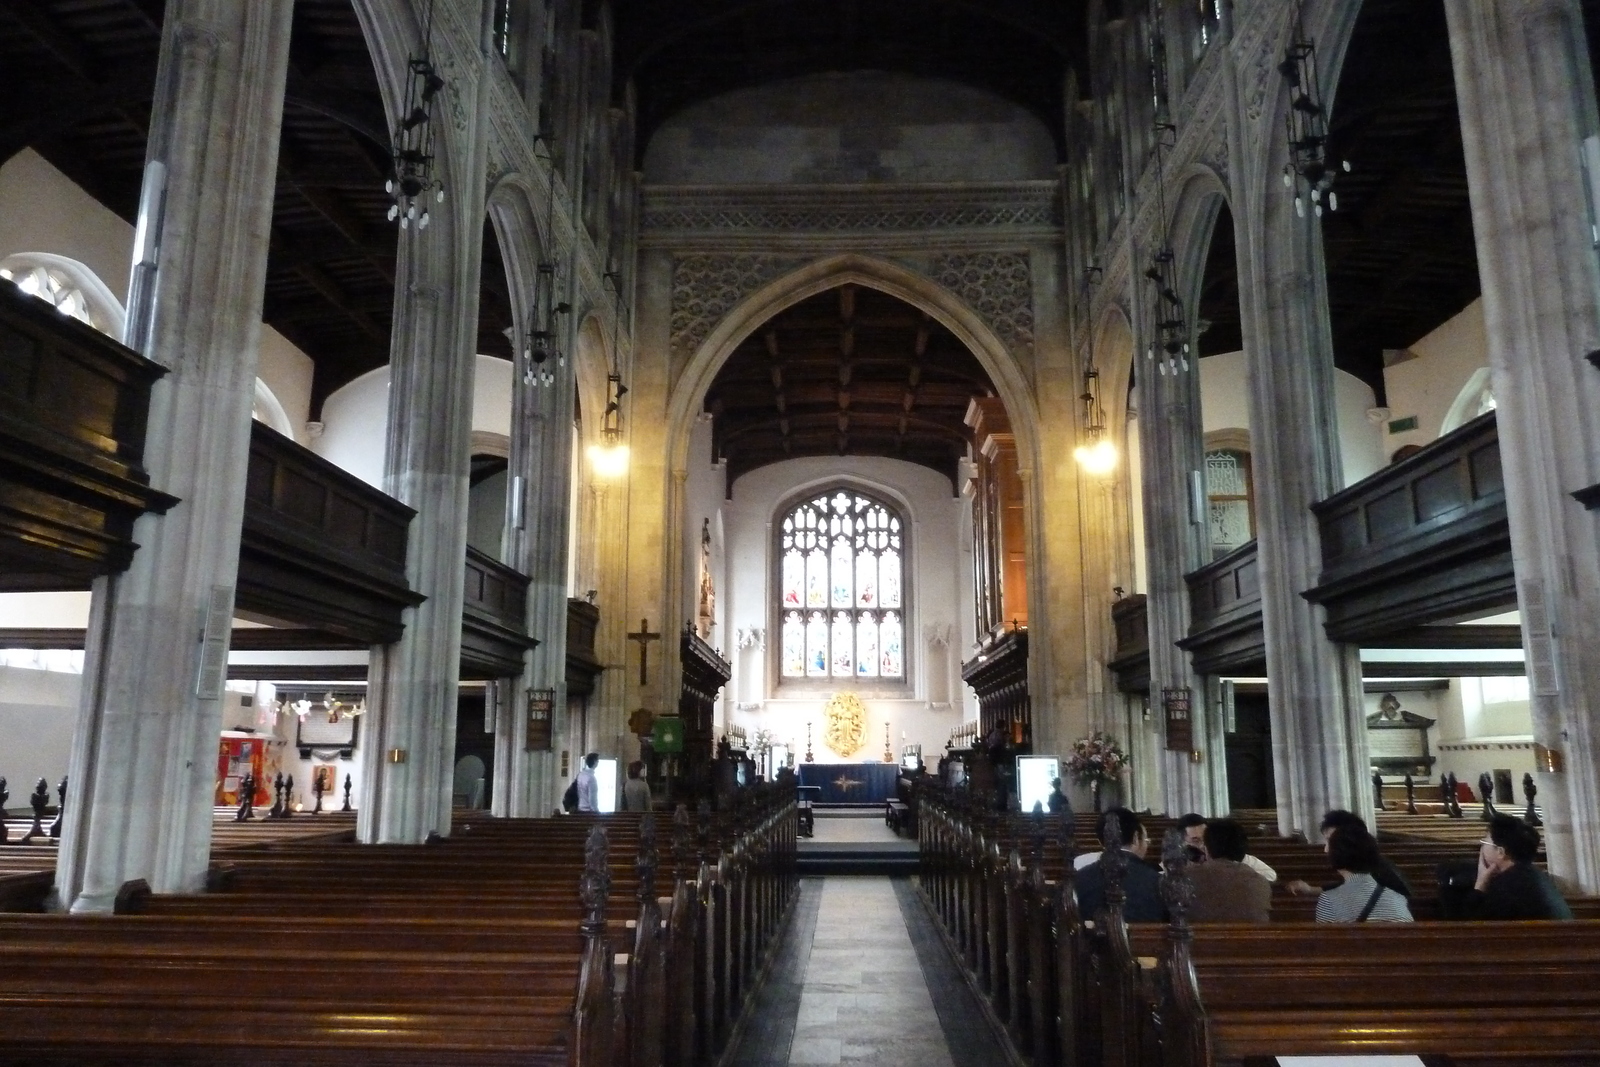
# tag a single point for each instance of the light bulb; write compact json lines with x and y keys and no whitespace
{"x":411,"y":211}
{"x":1319,"y":211}
{"x":1299,"y":207}
{"x":1099,"y":458}
{"x":439,"y":197}
{"x":388,"y":186}
{"x":1288,"y":178}
{"x":422,"y":223}
{"x":405,"y":220}
{"x":1333,"y":201}
{"x":394,"y":212}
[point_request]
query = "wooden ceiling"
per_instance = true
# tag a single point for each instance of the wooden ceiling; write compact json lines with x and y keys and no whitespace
{"x":686,"y":51}
{"x":1399,"y":251}
{"x":90,"y":65}
{"x":851,"y":371}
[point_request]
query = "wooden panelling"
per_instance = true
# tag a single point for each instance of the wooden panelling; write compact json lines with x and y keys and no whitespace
{"x":73,"y":408}
{"x":1225,"y":632}
{"x":320,"y":548}
{"x":1423,"y":541}
{"x":583,"y":665}
{"x":494,"y":619}
{"x":998,"y":676}
{"x":1131,"y":618}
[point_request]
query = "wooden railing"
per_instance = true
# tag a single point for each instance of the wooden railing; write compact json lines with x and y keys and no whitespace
{"x":320,"y":547}
{"x":1225,"y":631}
{"x":494,"y":618}
{"x":73,"y":409}
{"x":1420,"y":541}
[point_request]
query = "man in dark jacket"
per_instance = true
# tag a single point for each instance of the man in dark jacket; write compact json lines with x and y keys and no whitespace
{"x":1142,"y":884}
{"x":1508,"y":885}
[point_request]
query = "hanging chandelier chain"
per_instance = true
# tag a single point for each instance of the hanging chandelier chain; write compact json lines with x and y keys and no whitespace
{"x":1167,"y":312}
{"x":413,"y":183}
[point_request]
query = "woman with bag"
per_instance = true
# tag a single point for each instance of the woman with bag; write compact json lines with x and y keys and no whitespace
{"x":1353,"y":853}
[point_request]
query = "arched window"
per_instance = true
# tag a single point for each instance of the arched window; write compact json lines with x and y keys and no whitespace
{"x":841,"y":565}
{"x":1229,"y":499}
{"x":73,"y":289}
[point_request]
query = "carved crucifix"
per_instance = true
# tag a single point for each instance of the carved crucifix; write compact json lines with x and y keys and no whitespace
{"x":644,"y":637}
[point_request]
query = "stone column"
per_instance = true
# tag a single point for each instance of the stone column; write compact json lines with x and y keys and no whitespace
{"x":1527,"y":104}
{"x":541,"y":470}
{"x":408,"y":741}
{"x":1175,"y":543}
{"x":1318,"y":725}
{"x":144,"y":755}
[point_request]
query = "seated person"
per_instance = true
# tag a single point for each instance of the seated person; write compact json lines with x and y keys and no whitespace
{"x":1508,"y":885}
{"x":1194,"y":839}
{"x":1385,"y":873}
{"x":1142,"y":885}
{"x":1360,"y":898}
{"x":1193,"y":826}
{"x":1225,"y":890}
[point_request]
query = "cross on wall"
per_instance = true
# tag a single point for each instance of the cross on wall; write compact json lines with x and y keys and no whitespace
{"x":644,"y":636}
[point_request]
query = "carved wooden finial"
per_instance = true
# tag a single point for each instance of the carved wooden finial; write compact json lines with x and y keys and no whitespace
{"x":680,"y":841}
{"x":61,"y":809}
{"x":1114,"y":863}
{"x":1177,"y":889}
{"x":595,"y":884}
{"x":648,"y":858}
{"x":1529,"y":790}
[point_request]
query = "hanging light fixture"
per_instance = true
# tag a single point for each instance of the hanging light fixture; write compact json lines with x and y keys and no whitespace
{"x":543,"y":355}
{"x":1168,"y":348}
{"x":413,"y":184}
{"x":610,"y":457}
{"x":1307,"y":124}
{"x":1097,"y":455}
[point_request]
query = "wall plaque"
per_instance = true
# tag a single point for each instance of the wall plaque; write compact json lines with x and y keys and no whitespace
{"x":541,"y":712}
{"x":1177,"y":703}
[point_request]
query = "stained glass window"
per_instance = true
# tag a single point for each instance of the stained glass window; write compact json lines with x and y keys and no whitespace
{"x":841,"y":588}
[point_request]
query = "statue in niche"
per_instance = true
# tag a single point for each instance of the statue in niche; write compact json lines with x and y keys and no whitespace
{"x":706,"y":608}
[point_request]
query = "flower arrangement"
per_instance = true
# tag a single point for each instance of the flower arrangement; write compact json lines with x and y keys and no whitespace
{"x":1096,"y":759}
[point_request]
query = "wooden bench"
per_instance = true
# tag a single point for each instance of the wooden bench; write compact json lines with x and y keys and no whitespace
{"x":499,"y":945}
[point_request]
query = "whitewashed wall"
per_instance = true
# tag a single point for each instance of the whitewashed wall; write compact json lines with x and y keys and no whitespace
{"x":355,"y":417}
{"x":1427,"y":383}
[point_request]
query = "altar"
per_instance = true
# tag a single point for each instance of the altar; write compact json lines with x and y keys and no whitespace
{"x":850,"y":783}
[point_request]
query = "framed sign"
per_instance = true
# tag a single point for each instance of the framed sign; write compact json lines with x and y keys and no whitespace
{"x":667,"y":735}
{"x":1177,"y":703}
{"x":541,"y":713}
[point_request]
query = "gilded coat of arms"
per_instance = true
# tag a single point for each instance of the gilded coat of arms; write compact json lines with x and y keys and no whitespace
{"x":844,"y":724}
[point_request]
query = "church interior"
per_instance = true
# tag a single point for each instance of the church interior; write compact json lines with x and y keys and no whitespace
{"x":601,"y":532}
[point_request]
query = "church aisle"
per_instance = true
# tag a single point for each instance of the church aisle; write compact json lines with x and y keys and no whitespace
{"x":864,"y":979}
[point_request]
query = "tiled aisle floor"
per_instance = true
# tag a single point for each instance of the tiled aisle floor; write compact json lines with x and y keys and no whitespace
{"x":864,"y":979}
{"x":864,"y":1000}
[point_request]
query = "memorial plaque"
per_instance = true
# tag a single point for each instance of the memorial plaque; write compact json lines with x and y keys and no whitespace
{"x":1397,"y":740}
{"x":541,"y":713}
{"x":1180,"y":724}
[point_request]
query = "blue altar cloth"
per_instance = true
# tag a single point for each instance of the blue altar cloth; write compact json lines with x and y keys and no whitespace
{"x":850,"y":783}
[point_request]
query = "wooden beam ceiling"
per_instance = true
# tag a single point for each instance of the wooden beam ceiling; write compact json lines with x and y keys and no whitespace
{"x":851,"y":371}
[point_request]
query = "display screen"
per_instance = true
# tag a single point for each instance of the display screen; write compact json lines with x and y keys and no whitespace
{"x":605,"y":781}
{"x":1034,"y":777}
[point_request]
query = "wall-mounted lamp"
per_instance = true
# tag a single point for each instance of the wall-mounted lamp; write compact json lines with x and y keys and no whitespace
{"x":1096,"y":455}
{"x":610,"y":457}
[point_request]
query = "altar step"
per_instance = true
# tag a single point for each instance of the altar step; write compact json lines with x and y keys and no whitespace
{"x":857,"y":857}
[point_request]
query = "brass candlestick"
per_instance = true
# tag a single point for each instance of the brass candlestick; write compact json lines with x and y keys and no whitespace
{"x":809,"y":757}
{"x":888,"y":749}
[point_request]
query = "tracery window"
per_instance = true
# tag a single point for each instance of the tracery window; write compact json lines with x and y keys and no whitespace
{"x":53,"y":285}
{"x":1231,"y":511}
{"x":841,"y":559}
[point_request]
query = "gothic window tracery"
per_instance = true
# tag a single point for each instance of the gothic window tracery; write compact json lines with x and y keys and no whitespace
{"x":841,"y":591}
{"x":1230,"y":502}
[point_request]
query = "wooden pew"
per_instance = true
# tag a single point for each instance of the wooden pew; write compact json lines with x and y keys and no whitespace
{"x":473,"y":951}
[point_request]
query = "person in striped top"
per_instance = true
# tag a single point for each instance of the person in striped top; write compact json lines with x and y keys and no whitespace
{"x":1353,"y":853}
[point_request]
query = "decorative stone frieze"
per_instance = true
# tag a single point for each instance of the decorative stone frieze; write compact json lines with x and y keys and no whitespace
{"x":998,"y":286}
{"x":786,"y":209}
{"x":706,"y":287}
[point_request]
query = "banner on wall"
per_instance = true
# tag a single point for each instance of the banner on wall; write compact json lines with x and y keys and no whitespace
{"x":236,"y":758}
